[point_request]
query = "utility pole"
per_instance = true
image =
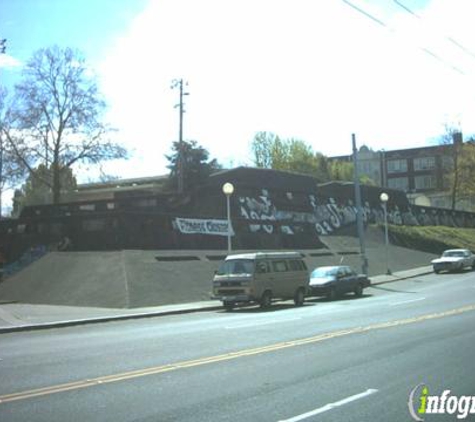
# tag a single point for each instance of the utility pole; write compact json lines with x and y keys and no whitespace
{"x":3,"y":47}
{"x":359,"y":208}
{"x":180,"y":170}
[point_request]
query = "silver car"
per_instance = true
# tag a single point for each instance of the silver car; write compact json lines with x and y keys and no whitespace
{"x":454,"y":260}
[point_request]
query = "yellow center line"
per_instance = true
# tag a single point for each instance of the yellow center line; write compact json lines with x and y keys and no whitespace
{"x":23,"y":395}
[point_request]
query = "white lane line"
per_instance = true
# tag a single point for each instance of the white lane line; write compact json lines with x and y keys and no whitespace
{"x":331,"y":406}
{"x":407,"y":301}
{"x":255,"y":324}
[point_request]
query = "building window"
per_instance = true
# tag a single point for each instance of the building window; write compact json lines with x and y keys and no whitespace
{"x":424,"y":163}
{"x":447,"y":162}
{"x":425,"y":182}
{"x":279,"y":266}
{"x":397,"y":166}
{"x":401,"y":183}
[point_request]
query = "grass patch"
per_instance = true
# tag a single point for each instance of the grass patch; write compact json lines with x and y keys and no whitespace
{"x":433,"y":239}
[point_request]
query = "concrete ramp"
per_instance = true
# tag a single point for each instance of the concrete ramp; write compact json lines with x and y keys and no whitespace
{"x":122,"y":279}
{"x":70,"y":278}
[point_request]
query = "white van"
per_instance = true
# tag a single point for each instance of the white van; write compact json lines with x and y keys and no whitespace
{"x":261,"y":277}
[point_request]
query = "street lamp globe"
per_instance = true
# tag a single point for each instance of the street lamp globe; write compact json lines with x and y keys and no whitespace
{"x":228,"y":189}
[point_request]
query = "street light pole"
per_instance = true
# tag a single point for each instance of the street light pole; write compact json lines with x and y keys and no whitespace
{"x":228,"y":189}
{"x":359,"y":208}
{"x":384,"y":197}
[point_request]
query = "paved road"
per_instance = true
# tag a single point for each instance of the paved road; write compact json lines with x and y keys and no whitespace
{"x":348,"y":360}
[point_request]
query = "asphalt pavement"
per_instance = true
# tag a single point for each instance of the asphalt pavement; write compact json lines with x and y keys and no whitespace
{"x":349,"y":360}
{"x":24,"y":317}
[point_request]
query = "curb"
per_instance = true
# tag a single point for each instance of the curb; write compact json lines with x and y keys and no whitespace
{"x":402,"y":278}
{"x":98,"y":320}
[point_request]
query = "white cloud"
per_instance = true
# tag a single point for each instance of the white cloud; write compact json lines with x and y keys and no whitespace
{"x":7,"y":61}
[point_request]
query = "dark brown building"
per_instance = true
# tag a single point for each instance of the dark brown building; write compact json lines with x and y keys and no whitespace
{"x":419,"y":172}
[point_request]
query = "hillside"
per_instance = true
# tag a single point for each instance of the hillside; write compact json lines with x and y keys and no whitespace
{"x":432,"y":239}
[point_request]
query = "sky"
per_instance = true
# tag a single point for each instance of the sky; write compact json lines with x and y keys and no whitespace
{"x":395,"y":73}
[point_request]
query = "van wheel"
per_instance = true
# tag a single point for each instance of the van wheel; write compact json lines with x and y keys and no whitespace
{"x":359,"y":290}
{"x":299,"y":297}
{"x":266,"y":299}
{"x":228,"y":306}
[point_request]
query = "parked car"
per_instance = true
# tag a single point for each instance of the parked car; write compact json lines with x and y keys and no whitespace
{"x":261,"y":277}
{"x":337,"y":280}
{"x":454,"y":260}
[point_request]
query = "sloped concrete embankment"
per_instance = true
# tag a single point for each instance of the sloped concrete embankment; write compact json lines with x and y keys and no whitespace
{"x":123,"y":279}
{"x":130,"y":279}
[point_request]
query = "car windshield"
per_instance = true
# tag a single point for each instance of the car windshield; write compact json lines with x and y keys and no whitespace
{"x":236,"y":266}
{"x":324,"y":272}
{"x":457,"y":254}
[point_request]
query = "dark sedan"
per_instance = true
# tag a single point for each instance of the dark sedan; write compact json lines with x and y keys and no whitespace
{"x":337,"y":280}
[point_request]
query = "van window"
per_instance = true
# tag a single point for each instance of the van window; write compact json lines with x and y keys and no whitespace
{"x":262,"y":267}
{"x":296,"y":265}
{"x":279,"y":266}
{"x":236,"y":266}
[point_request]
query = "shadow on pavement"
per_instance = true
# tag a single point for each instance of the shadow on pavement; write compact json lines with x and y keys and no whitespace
{"x":387,"y":289}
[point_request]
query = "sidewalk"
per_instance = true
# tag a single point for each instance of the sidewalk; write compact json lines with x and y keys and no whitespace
{"x":24,"y":317}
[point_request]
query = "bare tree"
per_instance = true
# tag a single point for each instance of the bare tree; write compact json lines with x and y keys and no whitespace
{"x":11,"y":172}
{"x":55,"y":119}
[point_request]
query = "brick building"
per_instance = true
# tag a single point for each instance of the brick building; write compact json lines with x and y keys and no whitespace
{"x":420,"y":172}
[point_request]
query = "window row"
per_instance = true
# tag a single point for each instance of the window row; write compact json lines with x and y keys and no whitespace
{"x":420,"y":182}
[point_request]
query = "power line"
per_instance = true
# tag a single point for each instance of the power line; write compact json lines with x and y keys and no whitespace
{"x":450,"y":39}
{"x":365,"y":13}
{"x":407,"y":9}
{"x":380,"y":22}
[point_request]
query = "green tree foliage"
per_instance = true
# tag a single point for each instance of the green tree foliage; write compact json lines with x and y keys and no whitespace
{"x":341,"y":170}
{"x":262,"y":146}
{"x":465,"y":174}
{"x":195,"y":164}
{"x":35,"y":191}
{"x":270,"y":151}
{"x":459,"y":166}
{"x":56,"y":117}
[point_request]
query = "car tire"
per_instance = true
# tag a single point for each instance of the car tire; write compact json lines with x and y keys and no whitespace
{"x":299,"y":297}
{"x":358,"y":290}
{"x":228,"y":306}
{"x":436,"y":271}
{"x":266,"y":299}
{"x":331,"y":295}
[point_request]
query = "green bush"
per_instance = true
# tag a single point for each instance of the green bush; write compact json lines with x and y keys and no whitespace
{"x":433,"y":239}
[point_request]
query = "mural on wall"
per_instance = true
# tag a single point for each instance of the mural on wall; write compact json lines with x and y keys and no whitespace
{"x":328,"y":215}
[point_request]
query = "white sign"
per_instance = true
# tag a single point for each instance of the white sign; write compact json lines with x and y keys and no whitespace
{"x":200,"y":226}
